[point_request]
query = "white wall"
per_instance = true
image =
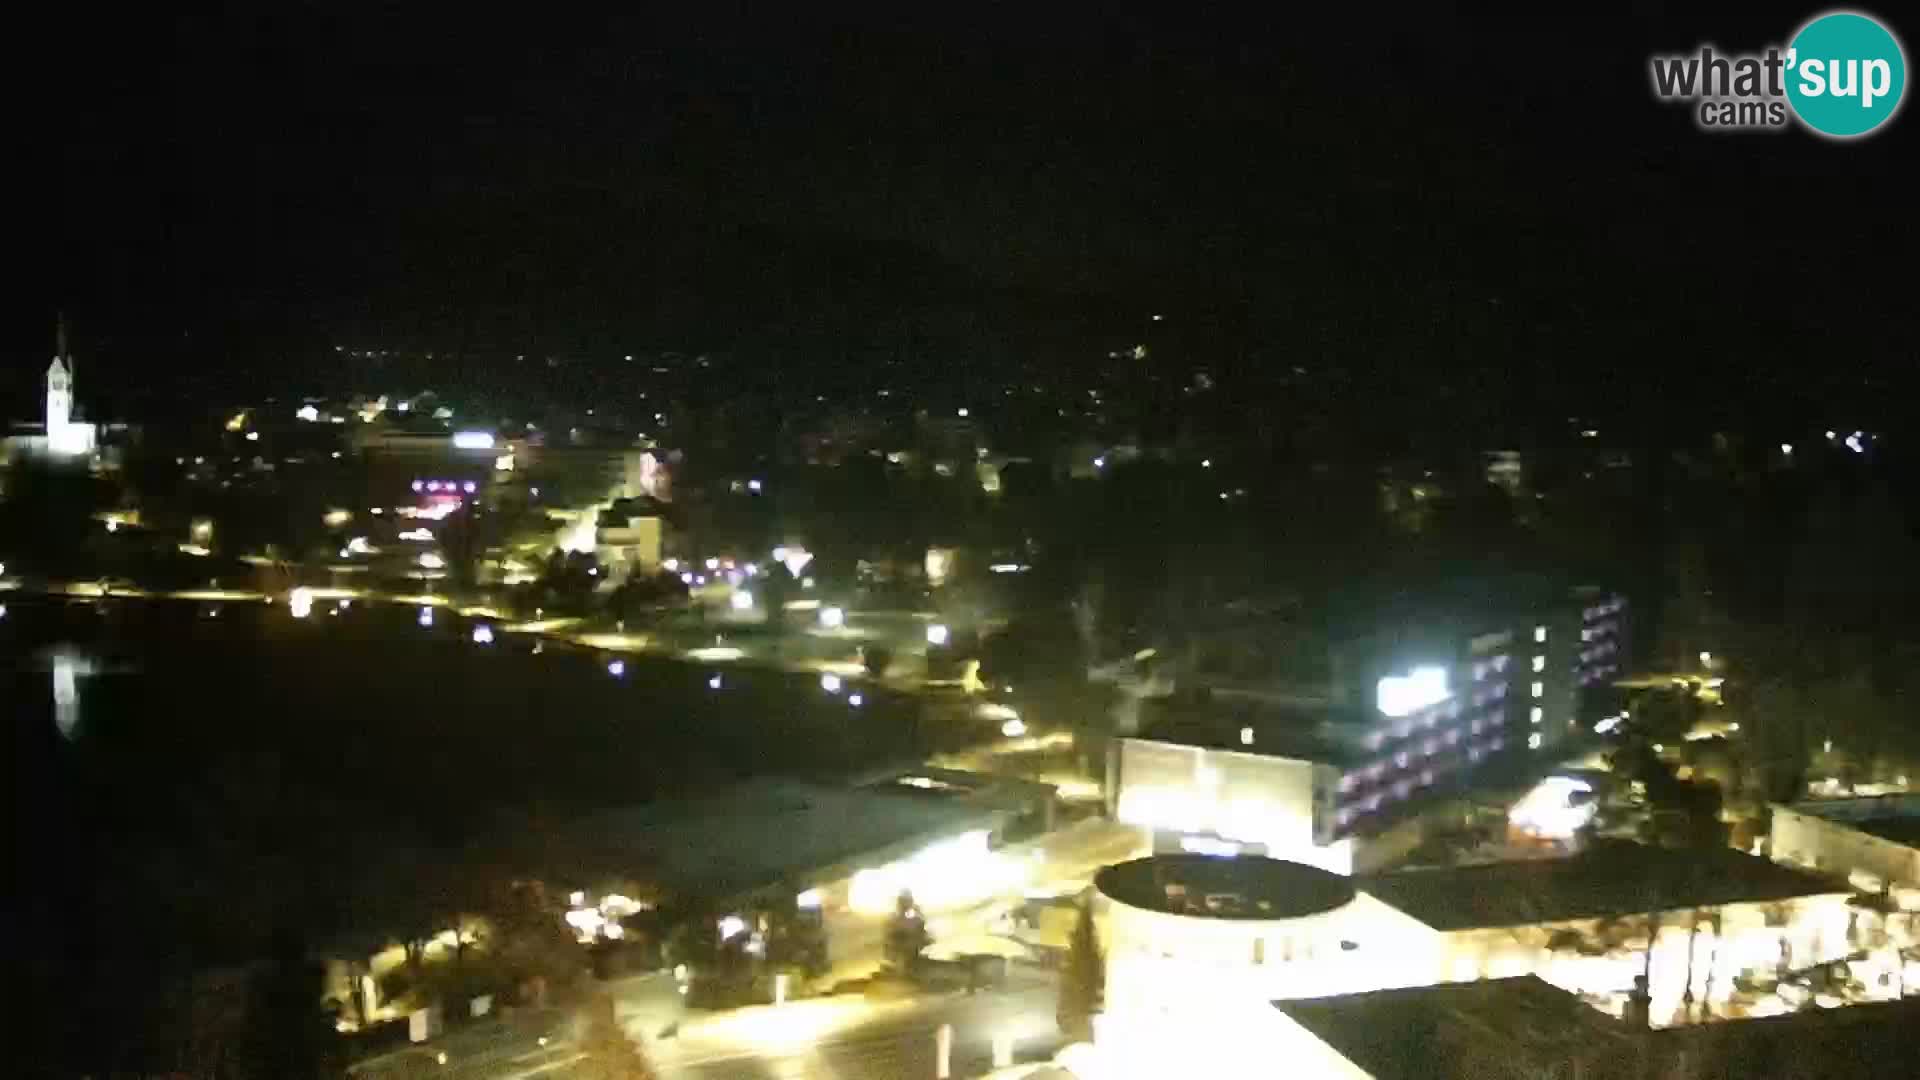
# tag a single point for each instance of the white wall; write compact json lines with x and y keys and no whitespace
{"x":1838,"y":848}
{"x":1250,"y":798}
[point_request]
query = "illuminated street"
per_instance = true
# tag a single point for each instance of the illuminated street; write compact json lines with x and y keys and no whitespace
{"x":832,"y":1037}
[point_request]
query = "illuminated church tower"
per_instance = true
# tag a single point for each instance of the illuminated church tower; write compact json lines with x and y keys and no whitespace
{"x":64,"y":437}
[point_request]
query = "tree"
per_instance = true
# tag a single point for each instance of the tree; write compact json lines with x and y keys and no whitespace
{"x":286,"y":1032}
{"x":906,"y":934}
{"x":611,"y":1054}
{"x":1083,"y":983}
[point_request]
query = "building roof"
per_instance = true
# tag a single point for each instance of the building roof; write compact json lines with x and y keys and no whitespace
{"x":1450,"y":1030}
{"x":1889,"y":817}
{"x":1610,"y":878}
{"x":1526,"y":1027}
{"x":1247,"y":887}
{"x":1318,"y":734}
{"x":756,"y":834}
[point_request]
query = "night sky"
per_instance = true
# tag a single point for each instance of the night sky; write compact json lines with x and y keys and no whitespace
{"x":1495,"y":204}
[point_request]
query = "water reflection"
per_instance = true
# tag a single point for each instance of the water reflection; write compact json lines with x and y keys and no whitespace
{"x":68,"y":665}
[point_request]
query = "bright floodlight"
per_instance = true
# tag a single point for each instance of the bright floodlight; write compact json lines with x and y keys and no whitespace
{"x":483,"y":634}
{"x":856,"y":700}
{"x":617,"y":668}
{"x":742,"y":600}
{"x":937,"y":634}
{"x":830,"y":683}
{"x":832,"y":617}
{"x":1399,"y":695}
{"x":714,"y":683}
{"x":300,"y":602}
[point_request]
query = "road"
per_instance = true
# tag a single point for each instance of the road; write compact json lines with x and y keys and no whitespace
{"x":840,"y":1037}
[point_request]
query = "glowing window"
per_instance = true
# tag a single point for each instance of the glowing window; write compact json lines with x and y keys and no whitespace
{"x":1539,"y":633}
{"x":1535,"y":714}
{"x":1538,"y":689}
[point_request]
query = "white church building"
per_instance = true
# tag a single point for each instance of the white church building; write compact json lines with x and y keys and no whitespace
{"x":61,"y":436}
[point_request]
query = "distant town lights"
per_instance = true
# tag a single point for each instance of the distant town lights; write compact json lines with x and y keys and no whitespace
{"x":793,"y":558}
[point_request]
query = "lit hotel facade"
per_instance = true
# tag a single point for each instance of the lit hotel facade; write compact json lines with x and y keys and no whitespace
{"x":1411,"y":710}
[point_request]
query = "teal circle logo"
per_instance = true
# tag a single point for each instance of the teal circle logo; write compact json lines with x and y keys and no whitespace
{"x":1845,"y":74}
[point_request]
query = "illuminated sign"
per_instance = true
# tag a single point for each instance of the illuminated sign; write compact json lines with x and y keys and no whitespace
{"x":1399,"y":695}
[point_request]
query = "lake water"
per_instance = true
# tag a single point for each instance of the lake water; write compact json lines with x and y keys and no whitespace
{"x":183,"y":779}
